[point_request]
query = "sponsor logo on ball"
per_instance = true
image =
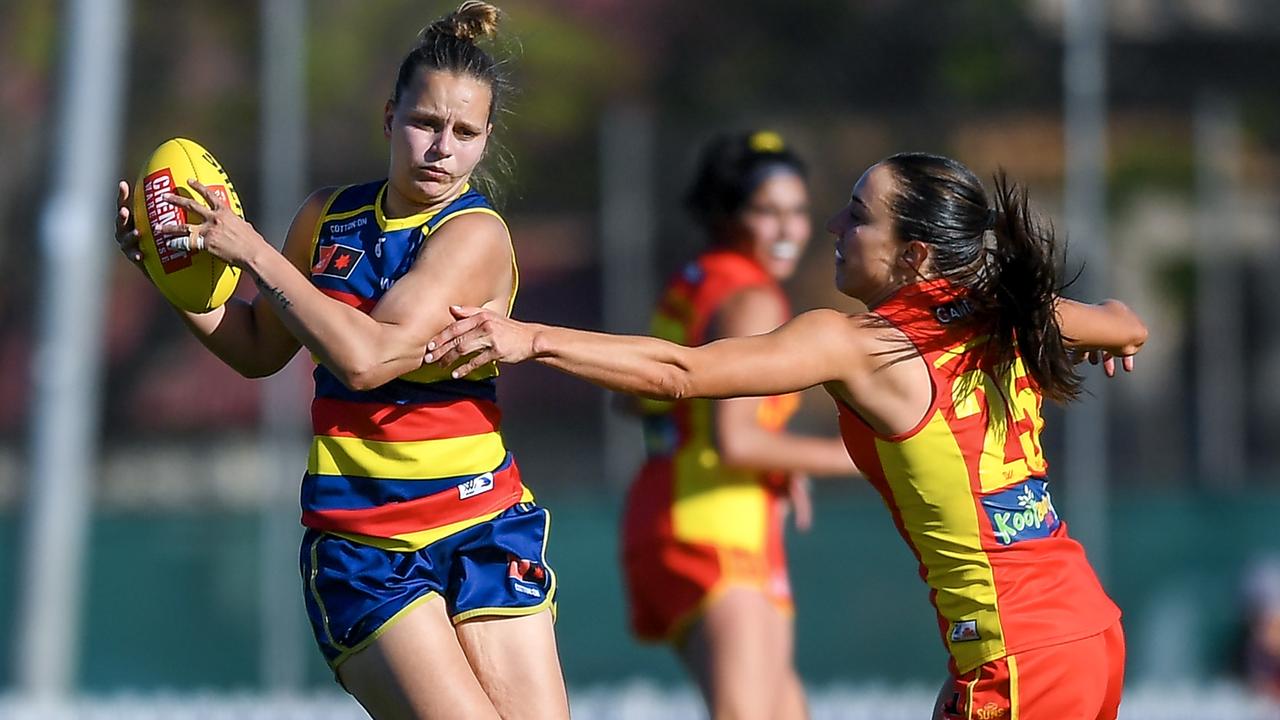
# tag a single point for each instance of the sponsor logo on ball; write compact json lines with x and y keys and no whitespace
{"x":159,"y":212}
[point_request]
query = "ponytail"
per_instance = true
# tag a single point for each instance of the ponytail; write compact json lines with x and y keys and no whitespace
{"x":997,"y":250}
{"x":1024,"y":286}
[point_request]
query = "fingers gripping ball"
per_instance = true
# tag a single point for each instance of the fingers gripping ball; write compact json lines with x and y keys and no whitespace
{"x":192,"y":280}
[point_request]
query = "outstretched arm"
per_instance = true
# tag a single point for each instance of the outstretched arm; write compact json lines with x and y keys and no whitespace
{"x":740,"y":437}
{"x":810,"y":350}
{"x":1102,"y":331}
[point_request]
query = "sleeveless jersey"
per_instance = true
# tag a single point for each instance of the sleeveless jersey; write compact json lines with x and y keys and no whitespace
{"x":421,"y":457}
{"x":688,"y":493}
{"x":968,"y":491}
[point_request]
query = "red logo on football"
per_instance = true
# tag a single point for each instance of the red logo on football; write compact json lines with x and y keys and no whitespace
{"x":159,"y":212}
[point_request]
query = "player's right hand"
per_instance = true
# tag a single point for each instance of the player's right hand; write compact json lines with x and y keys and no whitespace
{"x":478,"y":337}
{"x":126,"y":231}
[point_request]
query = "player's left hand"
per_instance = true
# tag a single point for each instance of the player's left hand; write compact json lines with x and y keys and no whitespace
{"x":221,"y":233}
{"x":478,"y":337}
{"x":1108,"y":361}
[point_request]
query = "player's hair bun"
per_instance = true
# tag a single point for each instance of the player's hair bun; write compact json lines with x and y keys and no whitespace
{"x":472,"y":21}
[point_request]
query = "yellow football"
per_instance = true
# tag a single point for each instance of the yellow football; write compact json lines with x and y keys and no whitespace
{"x":191,"y":279}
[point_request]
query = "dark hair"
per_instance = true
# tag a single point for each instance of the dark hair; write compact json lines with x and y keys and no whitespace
{"x":1000,"y":252}
{"x":449,"y":44}
{"x":731,"y":168}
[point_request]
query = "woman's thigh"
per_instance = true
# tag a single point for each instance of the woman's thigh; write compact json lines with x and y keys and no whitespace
{"x":740,"y":654}
{"x":517,"y":664}
{"x":416,"y":670}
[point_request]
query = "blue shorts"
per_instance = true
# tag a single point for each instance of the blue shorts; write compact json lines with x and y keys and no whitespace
{"x":355,"y":592}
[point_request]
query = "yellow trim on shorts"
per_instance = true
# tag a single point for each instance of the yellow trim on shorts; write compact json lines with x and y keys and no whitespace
{"x":681,"y":626}
{"x":384,"y":627}
{"x":1013,"y":687}
{"x":548,"y":601}
{"x":973,"y":685}
{"x":315,"y":594}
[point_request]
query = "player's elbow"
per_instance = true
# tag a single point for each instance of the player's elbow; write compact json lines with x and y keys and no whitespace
{"x":361,"y":378}
{"x":359,"y":373}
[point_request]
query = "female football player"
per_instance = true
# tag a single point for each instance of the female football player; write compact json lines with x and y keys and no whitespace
{"x":939,"y":387}
{"x":703,"y":526}
{"x":423,"y":563}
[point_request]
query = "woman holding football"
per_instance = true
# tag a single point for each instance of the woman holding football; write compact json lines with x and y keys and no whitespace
{"x":423,"y":563}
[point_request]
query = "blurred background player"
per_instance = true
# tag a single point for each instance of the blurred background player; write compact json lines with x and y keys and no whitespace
{"x":703,"y":525}
{"x":1261,"y":646}
{"x":939,"y":389}
{"x":424,"y":559}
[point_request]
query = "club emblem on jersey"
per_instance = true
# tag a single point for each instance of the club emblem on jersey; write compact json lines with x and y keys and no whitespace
{"x":990,"y":711}
{"x":337,"y":261}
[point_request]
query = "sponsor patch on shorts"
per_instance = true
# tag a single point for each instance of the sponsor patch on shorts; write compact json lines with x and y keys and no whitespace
{"x":964,"y":631}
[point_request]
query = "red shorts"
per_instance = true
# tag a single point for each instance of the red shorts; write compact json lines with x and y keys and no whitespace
{"x":670,"y":584}
{"x":1077,"y":680}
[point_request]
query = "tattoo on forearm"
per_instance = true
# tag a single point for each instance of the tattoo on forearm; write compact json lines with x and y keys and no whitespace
{"x":274,"y":293}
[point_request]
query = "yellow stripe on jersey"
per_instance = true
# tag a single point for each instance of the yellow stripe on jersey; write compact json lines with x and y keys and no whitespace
{"x":418,"y":540}
{"x":435,"y":373}
{"x":941,"y":520}
{"x":712,"y":503}
{"x":420,"y":460}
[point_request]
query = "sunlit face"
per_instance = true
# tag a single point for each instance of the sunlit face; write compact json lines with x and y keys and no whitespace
{"x":869,"y":258}
{"x":774,"y":227}
{"x":438,"y":132}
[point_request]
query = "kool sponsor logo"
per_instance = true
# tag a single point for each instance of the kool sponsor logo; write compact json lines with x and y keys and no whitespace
{"x":1022,"y":512}
{"x":159,"y":212}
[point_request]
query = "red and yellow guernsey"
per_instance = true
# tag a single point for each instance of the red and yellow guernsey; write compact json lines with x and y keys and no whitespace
{"x":421,"y":457}
{"x":684,"y":492}
{"x":969,"y":493}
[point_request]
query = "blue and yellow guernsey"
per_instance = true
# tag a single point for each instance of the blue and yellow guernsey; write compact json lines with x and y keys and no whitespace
{"x":421,"y":457}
